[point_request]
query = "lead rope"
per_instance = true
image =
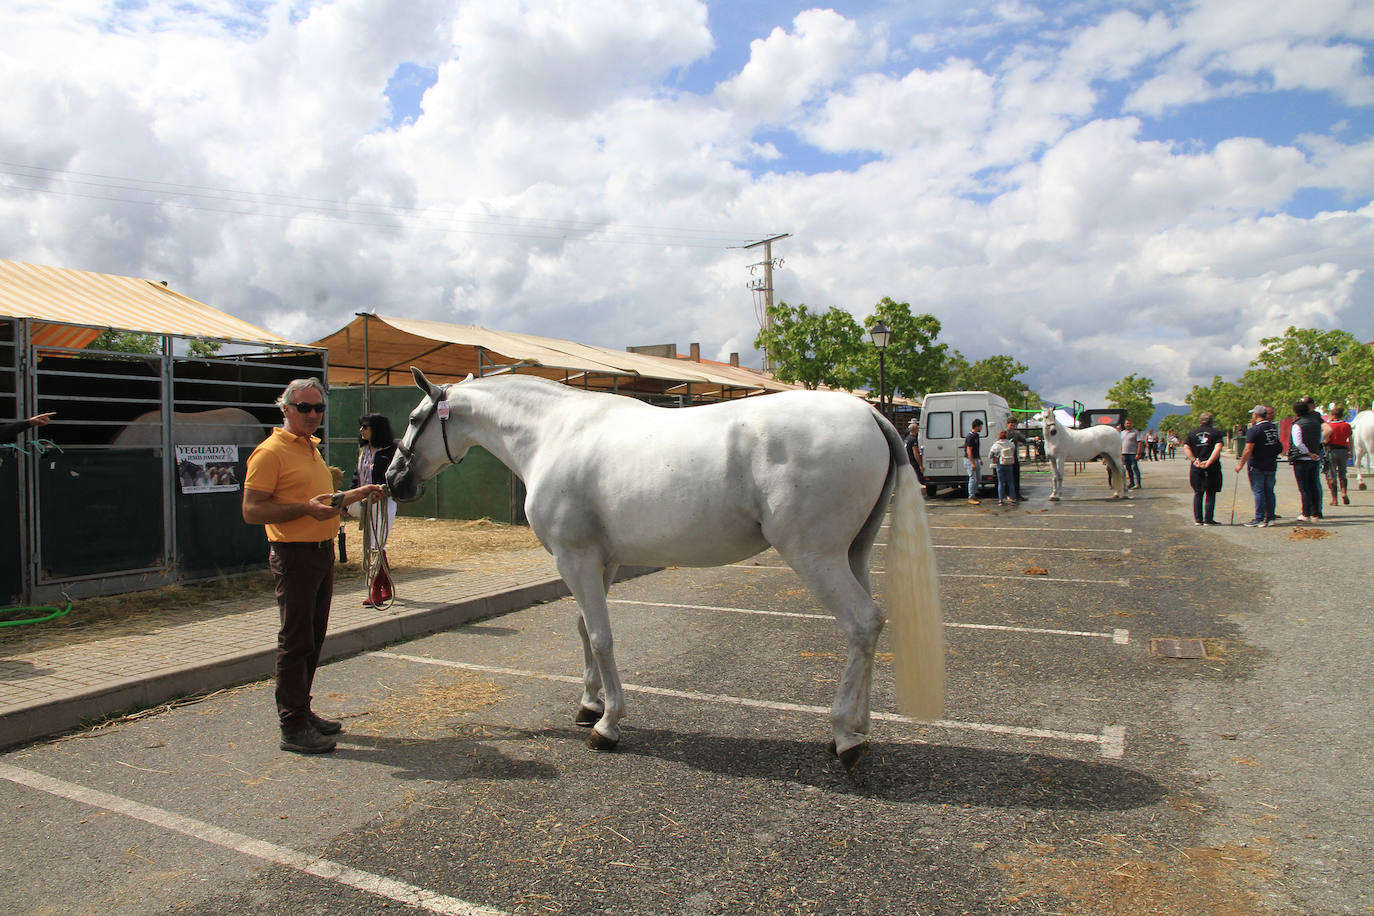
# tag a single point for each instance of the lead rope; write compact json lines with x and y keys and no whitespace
{"x":376,"y":571}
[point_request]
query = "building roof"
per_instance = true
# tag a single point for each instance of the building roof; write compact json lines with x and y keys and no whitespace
{"x":382,"y":348}
{"x":70,"y":307}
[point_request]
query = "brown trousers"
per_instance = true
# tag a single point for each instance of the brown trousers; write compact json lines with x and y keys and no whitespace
{"x":305,"y":588}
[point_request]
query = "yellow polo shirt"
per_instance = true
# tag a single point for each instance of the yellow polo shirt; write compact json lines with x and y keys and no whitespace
{"x":290,"y":468}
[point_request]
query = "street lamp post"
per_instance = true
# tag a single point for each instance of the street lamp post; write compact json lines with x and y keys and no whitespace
{"x":881,"y":337}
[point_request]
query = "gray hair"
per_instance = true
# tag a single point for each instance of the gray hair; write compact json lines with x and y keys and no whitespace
{"x":300,"y":384}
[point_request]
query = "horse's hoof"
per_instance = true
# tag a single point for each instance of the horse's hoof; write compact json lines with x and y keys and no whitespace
{"x":599,"y":742}
{"x":587,"y":717}
{"x":851,"y":758}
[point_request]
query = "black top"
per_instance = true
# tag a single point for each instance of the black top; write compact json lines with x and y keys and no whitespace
{"x":974,"y":441}
{"x":1266,"y":445}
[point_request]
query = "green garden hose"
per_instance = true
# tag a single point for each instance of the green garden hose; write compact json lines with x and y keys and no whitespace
{"x":56,"y":613}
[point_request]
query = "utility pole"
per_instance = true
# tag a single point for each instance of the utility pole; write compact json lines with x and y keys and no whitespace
{"x":765,"y":286}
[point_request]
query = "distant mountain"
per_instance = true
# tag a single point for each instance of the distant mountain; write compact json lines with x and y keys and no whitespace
{"x":1163,"y":410}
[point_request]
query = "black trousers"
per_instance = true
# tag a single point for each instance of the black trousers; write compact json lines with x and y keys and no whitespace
{"x":305,"y":587}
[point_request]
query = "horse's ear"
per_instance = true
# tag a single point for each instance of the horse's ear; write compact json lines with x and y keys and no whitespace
{"x":420,"y":381}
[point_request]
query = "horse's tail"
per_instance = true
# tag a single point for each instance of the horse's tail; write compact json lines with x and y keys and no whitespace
{"x":913,"y":596}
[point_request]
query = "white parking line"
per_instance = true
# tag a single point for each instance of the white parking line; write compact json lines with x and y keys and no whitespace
{"x":1119,"y":636}
{"x":945,"y":575}
{"x":1025,"y":528}
{"x":1111,"y":741}
{"x":399,"y":891}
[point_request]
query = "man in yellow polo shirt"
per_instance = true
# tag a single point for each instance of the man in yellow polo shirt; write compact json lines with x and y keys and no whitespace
{"x":288,"y":489}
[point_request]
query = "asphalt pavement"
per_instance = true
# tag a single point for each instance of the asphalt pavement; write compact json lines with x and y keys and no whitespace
{"x":1076,"y":771}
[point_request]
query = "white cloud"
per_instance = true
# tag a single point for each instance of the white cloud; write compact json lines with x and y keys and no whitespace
{"x":787,"y":70}
{"x":560,"y":181}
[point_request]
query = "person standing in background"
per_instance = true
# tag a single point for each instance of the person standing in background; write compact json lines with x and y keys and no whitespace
{"x":1304,"y":454}
{"x":1203,"y":447}
{"x":1262,"y":447}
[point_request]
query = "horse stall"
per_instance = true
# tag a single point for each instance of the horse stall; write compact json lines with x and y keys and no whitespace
{"x":137,"y":481}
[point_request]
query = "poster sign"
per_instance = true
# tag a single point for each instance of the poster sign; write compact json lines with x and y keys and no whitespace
{"x":208,"y":468}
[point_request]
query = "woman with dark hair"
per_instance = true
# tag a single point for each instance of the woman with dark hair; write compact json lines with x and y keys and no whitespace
{"x":1305,"y":454}
{"x":376,"y":448}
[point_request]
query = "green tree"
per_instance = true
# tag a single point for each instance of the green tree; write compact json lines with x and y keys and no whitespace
{"x":1134,"y":394}
{"x":813,"y":348}
{"x":1180,"y":424}
{"x":151,"y":344}
{"x":1000,"y":375}
{"x":1298,"y":364}
{"x":1228,"y":402}
{"x":914,"y":362}
{"x":127,"y":342}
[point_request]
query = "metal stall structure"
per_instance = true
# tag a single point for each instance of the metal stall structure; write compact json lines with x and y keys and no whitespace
{"x":137,"y":481}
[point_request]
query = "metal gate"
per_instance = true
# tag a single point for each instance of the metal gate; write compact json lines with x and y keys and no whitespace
{"x":106,"y":509}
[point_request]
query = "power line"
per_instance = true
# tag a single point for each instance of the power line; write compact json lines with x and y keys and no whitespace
{"x":239,"y":202}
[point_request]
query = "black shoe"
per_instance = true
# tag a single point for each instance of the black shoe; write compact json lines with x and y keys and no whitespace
{"x":306,"y":741}
{"x":1254,"y":523}
{"x":1211,"y":522}
{"x":325,"y":726}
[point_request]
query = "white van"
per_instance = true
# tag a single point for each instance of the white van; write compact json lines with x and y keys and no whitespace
{"x":946,"y":418}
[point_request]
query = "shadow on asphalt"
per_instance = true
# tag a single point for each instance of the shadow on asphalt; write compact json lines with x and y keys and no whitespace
{"x":925,"y":774}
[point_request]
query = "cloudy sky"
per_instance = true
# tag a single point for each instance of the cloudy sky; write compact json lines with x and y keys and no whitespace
{"x":1095,"y":188}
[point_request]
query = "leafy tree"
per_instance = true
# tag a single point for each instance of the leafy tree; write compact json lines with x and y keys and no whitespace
{"x":813,"y":348}
{"x":1178,"y":423}
{"x":1000,"y":375}
{"x":1228,"y":402}
{"x":914,"y":362}
{"x":1352,"y":378}
{"x":151,"y":344}
{"x":1297,"y":364}
{"x":1133,"y":394}
{"x":127,"y":342}
{"x":201,"y":348}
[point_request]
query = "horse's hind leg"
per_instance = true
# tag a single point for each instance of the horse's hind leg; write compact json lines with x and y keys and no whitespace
{"x":593,"y":705}
{"x":840,"y":592}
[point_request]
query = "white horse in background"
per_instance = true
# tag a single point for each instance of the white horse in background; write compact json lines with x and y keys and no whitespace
{"x":219,"y":426}
{"x":611,"y":480}
{"x":1362,"y":440}
{"x":1063,"y":445}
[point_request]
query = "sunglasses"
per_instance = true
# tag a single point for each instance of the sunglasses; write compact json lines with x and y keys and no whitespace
{"x":308,"y":408}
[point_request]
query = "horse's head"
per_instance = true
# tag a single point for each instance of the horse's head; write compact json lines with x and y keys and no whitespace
{"x":435,"y":438}
{"x":1047,"y":421}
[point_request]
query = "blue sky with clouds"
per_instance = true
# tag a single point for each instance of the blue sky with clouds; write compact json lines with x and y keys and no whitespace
{"x":1096,"y":188}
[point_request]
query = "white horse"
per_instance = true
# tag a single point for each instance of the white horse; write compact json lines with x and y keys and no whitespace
{"x":219,"y":426}
{"x":1063,"y":445}
{"x":611,"y":480}
{"x":1362,"y":439}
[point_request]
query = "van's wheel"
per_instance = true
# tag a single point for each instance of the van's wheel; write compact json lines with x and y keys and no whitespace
{"x":931,"y":490}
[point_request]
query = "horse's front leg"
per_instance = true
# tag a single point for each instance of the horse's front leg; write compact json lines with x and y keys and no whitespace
{"x":1056,"y":477}
{"x":588,"y":580}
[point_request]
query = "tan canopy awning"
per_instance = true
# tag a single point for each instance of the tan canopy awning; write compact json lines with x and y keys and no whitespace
{"x":70,"y":307}
{"x":383,"y":348}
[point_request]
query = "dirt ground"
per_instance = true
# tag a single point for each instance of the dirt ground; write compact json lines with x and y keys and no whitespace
{"x":412,"y":543}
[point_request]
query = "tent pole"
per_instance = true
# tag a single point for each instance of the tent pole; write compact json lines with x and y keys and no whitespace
{"x":367,"y":372}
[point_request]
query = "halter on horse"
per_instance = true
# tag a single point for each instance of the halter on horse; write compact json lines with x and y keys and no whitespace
{"x":1063,"y":445}
{"x":611,"y":480}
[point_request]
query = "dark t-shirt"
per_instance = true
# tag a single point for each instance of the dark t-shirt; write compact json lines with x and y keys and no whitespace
{"x":974,"y":441}
{"x":1264,"y":436}
{"x":1203,"y":440}
{"x":912,"y":448}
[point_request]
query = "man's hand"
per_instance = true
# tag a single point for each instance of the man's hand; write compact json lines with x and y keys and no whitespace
{"x":42,"y":418}
{"x":319,"y":508}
